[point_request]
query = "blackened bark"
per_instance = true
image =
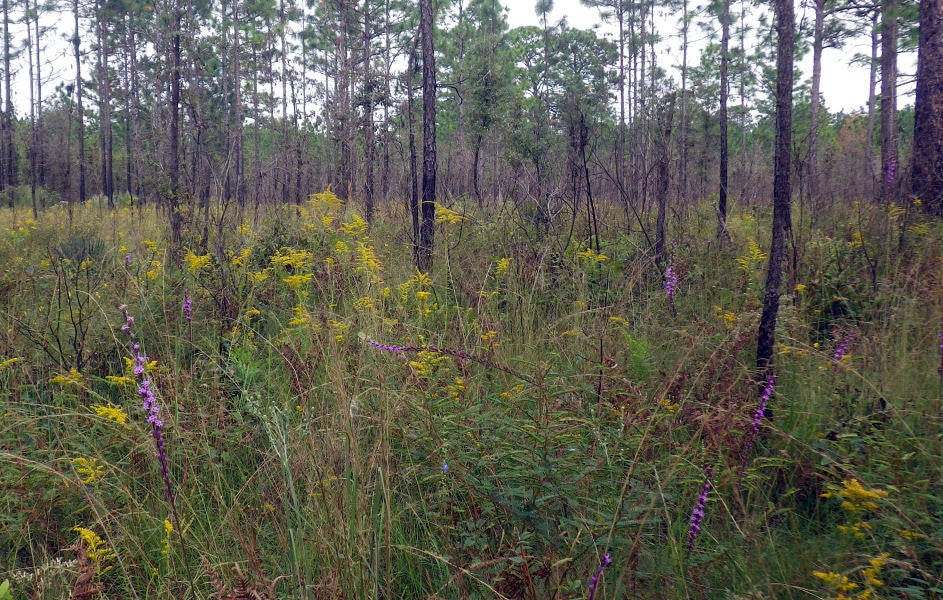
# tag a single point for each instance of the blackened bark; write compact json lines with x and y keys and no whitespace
{"x":8,"y":173}
{"x":722,"y":234}
{"x":782,"y":189}
{"x":927,"y":174}
{"x":429,"y":165}
{"x":173,"y":158}
{"x":663,"y":181}
{"x":369,"y":138}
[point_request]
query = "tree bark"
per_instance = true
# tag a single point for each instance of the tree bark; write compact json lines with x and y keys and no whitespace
{"x":429,"y":164}
{"x":369,"y":138}
{"x":722,"y":234}
{"x":818,"y":44}
{"x":782,"y":188}
{"x":889,"y":140}
{"x":927,"y":176}
{"x":8,"y":173}
{"x":76,"y":41}
{"x":664,"y":179}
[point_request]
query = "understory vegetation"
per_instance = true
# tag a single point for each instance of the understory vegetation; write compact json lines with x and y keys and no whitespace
{"x":287,"y":408}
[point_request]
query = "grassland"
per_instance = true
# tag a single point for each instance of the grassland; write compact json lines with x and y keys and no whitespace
{"x":326,"y":422}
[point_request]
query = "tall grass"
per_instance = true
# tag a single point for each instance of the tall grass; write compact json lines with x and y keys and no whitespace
{"x":524,"y":410}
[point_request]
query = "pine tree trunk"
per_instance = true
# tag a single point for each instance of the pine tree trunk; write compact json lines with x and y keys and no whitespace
{"x":722,"y":234}
{"x":889,"y":140}
{"x":782,"y":188}
{"x":429,"y":163}
{"x":927,"y":174}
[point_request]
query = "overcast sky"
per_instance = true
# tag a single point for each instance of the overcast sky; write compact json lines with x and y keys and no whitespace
{"x":844,"y":87}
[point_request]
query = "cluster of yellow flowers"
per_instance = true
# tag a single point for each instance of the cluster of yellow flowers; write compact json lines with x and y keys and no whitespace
{"x":753,"y":256}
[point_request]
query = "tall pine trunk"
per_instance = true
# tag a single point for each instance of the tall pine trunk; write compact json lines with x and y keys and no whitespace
{"x":927,"y":176}
{"x":782,"y":188}
{"x":722,"y":234}
{"x":889,"y":140}
{"x":429,"y":163}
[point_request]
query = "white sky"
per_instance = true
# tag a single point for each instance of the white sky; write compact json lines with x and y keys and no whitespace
{"x":845,"y":87}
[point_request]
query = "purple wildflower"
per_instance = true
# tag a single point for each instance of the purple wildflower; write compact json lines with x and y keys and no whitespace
{"x":697,"y":515}
{"x":594,"y":582}
{"x":127,"y":259}
{"x":891,"y":171}
{"x":941,"y":355}
{"x":671,"y":284}
{"x":386,"y":347}
{"x":758,"y":416}
{"x":187,"y":306}
{"x":841,"y":351}
{"x":150,"y":405}
{"x":445,"y":467}
{"x":128,"y":320}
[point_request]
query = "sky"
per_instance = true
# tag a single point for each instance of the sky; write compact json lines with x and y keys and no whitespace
{"x":844,"y":86}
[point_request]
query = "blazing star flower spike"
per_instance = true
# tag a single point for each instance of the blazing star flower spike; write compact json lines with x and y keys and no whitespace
{"x":594,"y":582}
{"x":187,"y":306}
{"x":697,"y":515}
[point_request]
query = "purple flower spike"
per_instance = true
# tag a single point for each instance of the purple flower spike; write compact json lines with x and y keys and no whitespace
{"x":187,"y":306}
{"x":697,"y":515}
{"x":891,"y":170}
{"x":671,"y":284}
{"x":941,"y":355}
{"x":151,"y":407}
{"x":386,"y":347}
{"x":758,"y":416}
{"x":594,"y":582}
{"x":841,"y":351}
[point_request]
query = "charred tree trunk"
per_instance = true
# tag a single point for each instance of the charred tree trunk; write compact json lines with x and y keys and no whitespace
{"x":429,"y":164}
{"x":663,"y":182}
{"x":927,"y":173}
{"x":722,"y":234}
{"x":782,"y":188}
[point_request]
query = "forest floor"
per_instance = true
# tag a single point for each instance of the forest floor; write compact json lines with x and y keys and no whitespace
{"x":293,"y":411}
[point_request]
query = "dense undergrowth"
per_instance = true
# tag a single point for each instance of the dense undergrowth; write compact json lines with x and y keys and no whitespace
{"x":337,"y":425}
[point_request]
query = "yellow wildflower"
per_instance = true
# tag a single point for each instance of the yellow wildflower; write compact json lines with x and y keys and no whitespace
{"x":502,"y":266}
{"x":445,"y":215}
{"x":341,"y":248}
{"x":288,"y":257}
{"x":154,"y":272}
{"x":8,"y":362}
{"x":356,"y":227}
{"x":295,"y":282}
{"x":240,"y":259}
{"x":367,"y":261}
{"x":110,"y":411}
{"x":72,"y":378}
{"x":89,"y":469}
{"x":96,"y":549}
{"x":301,"y":316}
{"x":590,"y":255}
{"x":121,"y":380}
{"x":800,"y":288}
{"x":753,"y":256}
{"x":165,"y":543}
